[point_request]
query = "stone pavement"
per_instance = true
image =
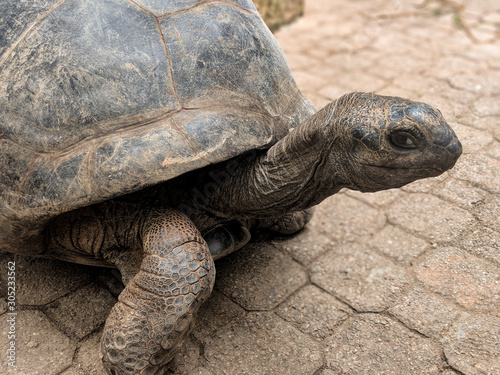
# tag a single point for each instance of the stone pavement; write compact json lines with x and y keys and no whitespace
{"x":405,"y":281}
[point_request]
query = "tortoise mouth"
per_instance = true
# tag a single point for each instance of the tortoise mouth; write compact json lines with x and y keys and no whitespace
{"x":417,"y":171}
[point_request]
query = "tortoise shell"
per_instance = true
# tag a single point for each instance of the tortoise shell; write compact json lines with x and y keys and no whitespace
{"x":103,"y":98}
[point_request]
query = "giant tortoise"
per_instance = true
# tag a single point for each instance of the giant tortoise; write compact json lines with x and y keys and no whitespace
{"x":152,"y":135}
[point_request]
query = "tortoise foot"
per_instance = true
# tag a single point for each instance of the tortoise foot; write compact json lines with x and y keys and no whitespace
{"x":157,"y":309}
{"x":289,"y":223}
{"x":226,"y":239}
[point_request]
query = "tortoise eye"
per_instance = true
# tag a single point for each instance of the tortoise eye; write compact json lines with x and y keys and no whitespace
{"x":404,"y":140}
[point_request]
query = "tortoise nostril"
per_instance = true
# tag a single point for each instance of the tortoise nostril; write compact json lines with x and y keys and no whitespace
{"x":455,"y":147}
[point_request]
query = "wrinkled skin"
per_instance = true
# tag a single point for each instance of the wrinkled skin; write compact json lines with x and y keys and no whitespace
{"x":158,"y":237}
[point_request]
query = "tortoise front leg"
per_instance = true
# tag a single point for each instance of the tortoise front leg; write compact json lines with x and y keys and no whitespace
{"x":156,"y":310}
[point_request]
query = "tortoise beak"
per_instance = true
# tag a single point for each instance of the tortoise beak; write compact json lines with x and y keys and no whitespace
{"x":449,"y":152}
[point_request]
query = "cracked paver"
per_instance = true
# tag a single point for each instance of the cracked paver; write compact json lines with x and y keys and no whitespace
{"x":404,"y":281}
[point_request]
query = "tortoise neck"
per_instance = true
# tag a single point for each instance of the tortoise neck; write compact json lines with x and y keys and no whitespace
{"x":288,"y":177}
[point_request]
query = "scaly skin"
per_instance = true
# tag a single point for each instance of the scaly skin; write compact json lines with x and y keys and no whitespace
{"x":156,"y":310}
{"x":361,"y":141}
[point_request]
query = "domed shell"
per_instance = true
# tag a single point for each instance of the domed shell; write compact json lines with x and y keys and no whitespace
{"x":102,"y":98}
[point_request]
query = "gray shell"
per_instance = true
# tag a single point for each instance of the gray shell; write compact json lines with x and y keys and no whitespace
{"x":102,"y":98}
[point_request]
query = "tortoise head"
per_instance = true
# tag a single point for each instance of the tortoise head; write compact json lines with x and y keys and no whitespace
{"x":389,"y":141}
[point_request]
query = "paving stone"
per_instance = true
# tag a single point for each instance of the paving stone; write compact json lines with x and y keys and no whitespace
{"x":361,"y":82}
{"x":402,"y":92}
{"x":488,"y":213}
{"x":482,"y":241}
{"x":332,"y":92}
{"x":429,"y":217}
{"x":326,"y":372}
{"x":73,"y":371}
{"x":317,"y":100}
{"x":473,"y":140}
{"x":88,"y":356}
{"x":345,"y":219}
{"x":472,"y":345}
{"x":425,"y":185}
{"x":363,"y":279}
{"x":262,"y":343}
{"x":380,"y":198}
{"x":471,"y":81}
{"x":457,"y":94}
{"x":81,"y":312}
{"x":314,"y":311}
{"x":425,"y":312}
{"x":3,"y":306}
{"x":354,"y":61}
{"x":487,"y":106}
{"x":375,"y":344}
{"x":216,"y":313}
{"x":494,"y":150}
{"x":305,"y":246}
{"x":479,"y":170}
{"x":455,"y":64}
{"x":460,"y":192}
{"x":40,"y":281}
{"x":425,"y":86}
{"x":259,"y":277}
{"x":187,"y":360}
{"x":470,"y":281}
{"x":36,"y":338}
{"x":201,"y":371}
{"x":399,"y":245}
{"x":313,"y":81}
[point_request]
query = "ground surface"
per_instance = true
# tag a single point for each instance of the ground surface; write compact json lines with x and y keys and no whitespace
{"x":400,"y":282}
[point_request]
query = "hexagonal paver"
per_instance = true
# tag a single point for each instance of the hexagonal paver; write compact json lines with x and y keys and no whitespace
{"x":40,"y":281}
{"x":345,"y":219}
{"x":362,"y":278}
{"x":380,"y":198}
{"x":487,"y":106}
{"x":425,"y":312}
{"x":470,"y":281}
{"x":314,"y":311}
{"x":188,"y":359}
{"x":461,"y":192}
{"x":81,"y":312}
{"x":375,"y":344}
{"x":262,"y":338}
{"x":488,"y":213}
{"x":429,"y":217}
{"x":36,"y":338}
{"x":73,"y":371}
{"x":473,"y":345}
{"x":201,"y":371}
{"x":484,"y":242}
{"x":259,"y":277}
{"x":425,"y":185}
{"x":473,"y":140}
{"x":88,"y":356}
{"x":399,"y":245}
{"x":305,"y":246}
{"x":215,"y":313}
{"x":481,"y":170}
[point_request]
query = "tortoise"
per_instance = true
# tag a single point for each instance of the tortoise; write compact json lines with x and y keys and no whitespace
{"x":152,"y":136}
